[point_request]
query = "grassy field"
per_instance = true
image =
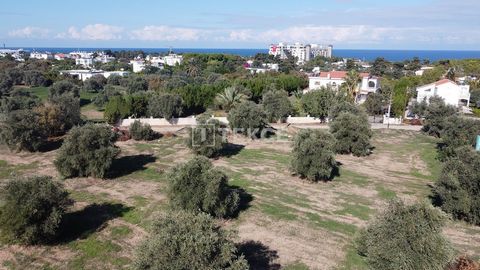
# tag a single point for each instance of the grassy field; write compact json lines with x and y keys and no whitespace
{"x":293,"y":224}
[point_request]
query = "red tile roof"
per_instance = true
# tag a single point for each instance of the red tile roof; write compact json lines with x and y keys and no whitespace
{"x":443,"y":81}
{"x":338,"y":74}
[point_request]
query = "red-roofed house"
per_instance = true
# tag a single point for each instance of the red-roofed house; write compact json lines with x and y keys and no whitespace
{"x":451,"y":92}
{"x":334,"y":79}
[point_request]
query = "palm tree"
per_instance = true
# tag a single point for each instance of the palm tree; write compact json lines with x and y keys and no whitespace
{"x":230,"y":97}
{"x":351,"y":84}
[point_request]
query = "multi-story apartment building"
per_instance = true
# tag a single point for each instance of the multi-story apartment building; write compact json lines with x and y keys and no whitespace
{"x":303,"y":53}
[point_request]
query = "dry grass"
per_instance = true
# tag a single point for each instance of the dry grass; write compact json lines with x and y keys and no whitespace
{"x":301,"y":224}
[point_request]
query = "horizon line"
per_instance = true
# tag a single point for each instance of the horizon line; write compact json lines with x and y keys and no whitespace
{"x":227,"y":48}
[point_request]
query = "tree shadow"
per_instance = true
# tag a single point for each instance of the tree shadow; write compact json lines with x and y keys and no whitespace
{"x":85,"y":102}
{"x":245,"y":200}
{"x":258,"y":255}
{"x":80,"y":224}
{"x":51,"y":145}
{"x":230,"y":150}
{"x":129,"y":164}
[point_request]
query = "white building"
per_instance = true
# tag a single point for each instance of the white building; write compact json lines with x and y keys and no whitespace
{"x":138,"y":65}
{"x":453,"y":94}
{"x":303,"y":53}
{"x":81,"y":54}
{"x":103,"y":58}
{"x":321,"y":50}
{"x":16,"y":54}
{"x":41,"y":56}
{"x":85,"y":62}
{"x":172,"y":59}
{"x":334,"y":79}
{"x":82,"y":75}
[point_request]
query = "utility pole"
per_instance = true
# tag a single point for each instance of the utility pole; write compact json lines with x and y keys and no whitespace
{"x":389,"y":109}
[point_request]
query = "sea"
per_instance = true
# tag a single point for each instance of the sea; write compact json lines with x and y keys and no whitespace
{"x":366,"y":55}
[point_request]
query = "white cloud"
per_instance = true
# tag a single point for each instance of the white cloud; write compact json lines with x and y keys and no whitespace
{"x":30,"y":32}
{"x":167,"y":33}
{"x":93,"y":32}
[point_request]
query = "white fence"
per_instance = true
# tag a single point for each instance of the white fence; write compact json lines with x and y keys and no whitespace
{"x":191,"y":121}
{"x":392,"y":121}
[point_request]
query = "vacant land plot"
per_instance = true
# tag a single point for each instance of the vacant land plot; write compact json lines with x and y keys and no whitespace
{"x":288,"y":223}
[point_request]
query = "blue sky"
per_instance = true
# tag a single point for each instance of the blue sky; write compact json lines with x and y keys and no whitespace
{"x":351,"y":24}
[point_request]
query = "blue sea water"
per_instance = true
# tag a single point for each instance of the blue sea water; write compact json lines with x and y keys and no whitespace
{"x":367,"y":55}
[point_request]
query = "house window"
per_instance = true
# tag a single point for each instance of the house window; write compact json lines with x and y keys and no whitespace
{"x":371,"y":84}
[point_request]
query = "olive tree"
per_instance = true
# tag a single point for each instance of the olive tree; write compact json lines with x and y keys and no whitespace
{"x":277,"y":105}
{"x":167,"y":106}
{"x":95,"y":83}
{"x":6,"y":84}
{"x":59,"y":114}
{"x":87,"y":151}
{"x":407,"y":237}
{"x":374,"y":104}
{"x":457,"y":132}
{"x":247,"y":118}
{"x":352,"y":133}
{"x":22,"y":130}
{"x":436,"y":114}
{"x":32,"y":210}
{"x":313,"y":155}
{"x":182,"y":240}
{"x":197,"y":186}
{"x":457,"y":191}
{"x":34,"y":78}
{"x":63,"y":87}
{"x":206,"y":138}
{"x":342,"y":107}
{"x":317,"y":103}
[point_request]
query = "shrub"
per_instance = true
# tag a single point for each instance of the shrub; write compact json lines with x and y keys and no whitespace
{"x":198,"y":186}
{"x":140,"y":131}
{"x":87,"y":151}
{"x":457,"y":191}
{"x":313,"y":155}
{"x":32,"y":210}
{"x":206,"y":138}
{"x":317,"y":103}
{"x":436,"y":114}
{"x":406,"y":237}
{"x":352,"y":134}
{"x":63,"y":87}
{"x":457,"y":132}
{"x":181,"y":240}
{"x":22,"y":130}
{"x":277,"y":105}
{"x":167,"y":106}
{"x":247,"y":118}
